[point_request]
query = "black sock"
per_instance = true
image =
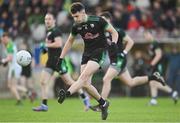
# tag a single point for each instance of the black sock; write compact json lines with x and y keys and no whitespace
{"x":83,"y":96}
{"x":44,"y":101}
{"x":68,"y":93}
{"x":101,"y":101}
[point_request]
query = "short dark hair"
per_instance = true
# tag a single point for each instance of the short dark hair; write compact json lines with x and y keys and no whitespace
{"x":106,"y":14}
{"x":5,"y":34}
{"x":77,"y":7}
{"x":50,"y":13}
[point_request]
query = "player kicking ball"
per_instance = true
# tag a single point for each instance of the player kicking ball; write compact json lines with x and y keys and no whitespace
{"x":92,"y":30}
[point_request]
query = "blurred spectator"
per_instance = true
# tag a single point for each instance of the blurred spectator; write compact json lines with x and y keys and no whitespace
{"x":133,"y":23}
{"x":146,"y":21}
{"x":174,"y":68}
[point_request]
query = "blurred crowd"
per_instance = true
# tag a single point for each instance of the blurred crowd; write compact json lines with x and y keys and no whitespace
{"x":25,"y":17}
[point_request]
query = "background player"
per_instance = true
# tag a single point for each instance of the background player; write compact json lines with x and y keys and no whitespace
{"x":157,"y":64}
{"x":118,"y":64}
{"x":53,"y":43}
{"x":14,"y":70}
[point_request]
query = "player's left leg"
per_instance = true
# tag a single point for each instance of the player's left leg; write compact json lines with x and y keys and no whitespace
{"x":82,"y":81}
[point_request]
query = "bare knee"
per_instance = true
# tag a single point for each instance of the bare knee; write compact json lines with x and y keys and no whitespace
{"x":9,"y":86}
{"x":130,"y":83}
{"x":152,"y":84}
{"x":86,"y":85}
{"x":43,"y":83}
{"x":84,"y":77}
{"x":107,"y":80}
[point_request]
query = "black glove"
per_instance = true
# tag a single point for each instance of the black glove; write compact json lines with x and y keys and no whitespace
{"x":58,"y":64}
{"x":113,"y":50}
{"x":150,"y":69}
{"x":43,"y":48}
{"x":122,"y":54}
{"x":61,"y":66}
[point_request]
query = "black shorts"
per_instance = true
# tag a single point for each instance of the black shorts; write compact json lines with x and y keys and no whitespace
{"x":160,"y":68}
{"x":97,"y":55}
{"x":26,"y":71}
{"x":51,"y":65}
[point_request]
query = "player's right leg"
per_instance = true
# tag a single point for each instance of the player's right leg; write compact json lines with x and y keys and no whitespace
{"x":44,"y":79}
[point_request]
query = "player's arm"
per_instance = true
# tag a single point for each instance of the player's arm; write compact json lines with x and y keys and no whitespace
{"x":128,"y":43}
{"x":4,"y":61}
{"x":56,"y":44}
{"x":67,"y":46}
{"x":109,"y":28}
{"x":157,"y":57}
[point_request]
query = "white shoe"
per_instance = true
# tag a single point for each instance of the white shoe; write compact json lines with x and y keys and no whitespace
{"x":153,"y":102}
{"x":175,"y":96}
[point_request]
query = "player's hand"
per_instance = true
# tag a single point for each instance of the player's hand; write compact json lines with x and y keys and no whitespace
{"x":59,"y":63}
{"x":113,"y":50}
{"x":122,"y":54}
{"x":43,"y":47}
{"x":150,"y":69}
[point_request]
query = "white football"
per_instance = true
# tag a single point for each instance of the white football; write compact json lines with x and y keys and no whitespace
{"x":23,"y":58}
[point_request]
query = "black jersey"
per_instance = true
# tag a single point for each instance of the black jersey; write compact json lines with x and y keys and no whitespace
{"x":152,"y":48}
{"x":92,"y":32}
{"x":51,"y":35}
{"x":121,"y":35}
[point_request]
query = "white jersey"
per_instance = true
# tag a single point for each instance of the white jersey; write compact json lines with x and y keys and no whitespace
{"x":14,"y":67}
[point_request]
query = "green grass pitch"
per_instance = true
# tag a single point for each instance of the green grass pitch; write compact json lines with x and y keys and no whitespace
{"x":121,"y":110}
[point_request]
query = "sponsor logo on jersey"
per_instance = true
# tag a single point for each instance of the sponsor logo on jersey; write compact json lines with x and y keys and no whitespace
{"x":92,"y":25}
{"x":90,"y":36}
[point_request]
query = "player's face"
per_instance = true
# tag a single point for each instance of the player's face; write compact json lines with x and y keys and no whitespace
{"x":49,"y":21}
{"x":4,"y":39}
{"x":79,"y":17}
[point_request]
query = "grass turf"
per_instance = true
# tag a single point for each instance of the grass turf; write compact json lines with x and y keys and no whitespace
{"x":121,"y":110}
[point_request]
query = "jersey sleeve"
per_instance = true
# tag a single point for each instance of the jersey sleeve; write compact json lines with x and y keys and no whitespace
{"x":74,"y":30}
{"x":156,"y":45}
{"x":104,"y":23}
{"x":57,"y":33}
{"x":121,"y":33}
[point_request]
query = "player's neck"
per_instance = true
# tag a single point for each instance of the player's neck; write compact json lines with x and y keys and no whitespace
{"x":85,"y":18}
{"x":51,"y":27}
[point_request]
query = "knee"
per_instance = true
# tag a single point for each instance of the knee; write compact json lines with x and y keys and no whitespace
{"x":84,"y":77}
{"x":130,"y":83}
{"x":43,"y":83}
{"x":9,"y":86}
{"x":152,"y":84}
{"x":106,"y":80}
{"x":86,"y":85}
